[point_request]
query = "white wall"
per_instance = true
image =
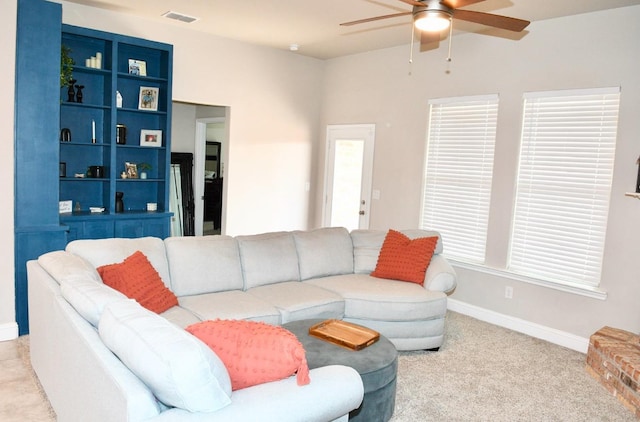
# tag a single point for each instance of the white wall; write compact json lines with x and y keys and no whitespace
{"x":591,"y":50}
{"x":273,"y":96}
{"x":8,"y":327}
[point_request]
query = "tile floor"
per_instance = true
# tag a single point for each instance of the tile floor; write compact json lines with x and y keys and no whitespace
{"x":20,"y":397}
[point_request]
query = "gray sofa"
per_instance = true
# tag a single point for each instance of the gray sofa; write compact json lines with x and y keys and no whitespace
{"x":273,"y":277}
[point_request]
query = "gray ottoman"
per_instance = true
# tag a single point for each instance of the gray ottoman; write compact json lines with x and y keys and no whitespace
{"x":376,"y":364}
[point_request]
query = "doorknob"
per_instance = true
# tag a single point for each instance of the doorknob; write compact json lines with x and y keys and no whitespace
{"x":361,"y":212}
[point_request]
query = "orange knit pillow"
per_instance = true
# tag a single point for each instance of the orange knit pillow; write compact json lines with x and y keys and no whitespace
{"x":137,"y":279}
{"x":404,"y":259}
{"x":254,"y":352}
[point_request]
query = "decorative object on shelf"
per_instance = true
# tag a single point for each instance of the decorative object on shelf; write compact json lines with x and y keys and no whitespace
{"x":63,"y":169}
{"x":638,"y":179}
{"x":148,"y":98}
{"x":121,"y":134}
{"x":97,"y":172}
{"x":71,"y":93}
{"x":131,"y":169}
{"x":94,"y":62}
{"x":150,"y":138}
{"x":119,"y":202}
{"x":96,"y":209}
{"x":93,"y":131}
{"x":143,"y":168}
{"x":123,"y":175}
{"x":65,"y":207}
{"x":65,"y":135}
{"x":118,"y":99}
{"x":137,"y":67}
{"x":77,"y":208}
{"x":79,"y":94}
{"x":66,"y":66}
{"x":152,"y":206}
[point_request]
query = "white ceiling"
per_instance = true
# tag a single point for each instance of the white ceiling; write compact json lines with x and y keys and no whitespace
{"x":314,"y":24}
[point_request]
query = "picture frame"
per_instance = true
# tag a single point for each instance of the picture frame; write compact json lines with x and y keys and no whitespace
{"x":148,"y":98}
{"x":137,"y":67}
{"x":131,"y":169}
{"x":150,"y":138}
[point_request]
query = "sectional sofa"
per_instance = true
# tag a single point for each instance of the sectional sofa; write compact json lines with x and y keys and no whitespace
{"x":272,"y":277}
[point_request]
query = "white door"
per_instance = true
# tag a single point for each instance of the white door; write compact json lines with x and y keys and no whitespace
{"x":349,"y":173}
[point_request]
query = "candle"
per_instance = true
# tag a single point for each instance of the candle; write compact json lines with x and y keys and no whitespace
{"x":93,"y":131}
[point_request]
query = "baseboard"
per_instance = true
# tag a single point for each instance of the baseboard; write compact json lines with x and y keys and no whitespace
{"x":561,"y":338}
{"x":8,"y":331}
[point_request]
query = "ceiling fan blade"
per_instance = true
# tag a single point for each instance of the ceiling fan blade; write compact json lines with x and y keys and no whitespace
{"x":417,"y":3}
{"x":456,"y":4}
{"x":497,"y":21}
{"x":429,"y":40}
{"x":377,"y":18}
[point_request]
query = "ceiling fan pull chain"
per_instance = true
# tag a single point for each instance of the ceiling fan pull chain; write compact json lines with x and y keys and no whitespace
{"x":413,"y":34}
{"x":450,"y":40}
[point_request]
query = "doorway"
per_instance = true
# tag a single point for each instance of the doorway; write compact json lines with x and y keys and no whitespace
{"x":349,"y":174}
{"x":210,"y":145}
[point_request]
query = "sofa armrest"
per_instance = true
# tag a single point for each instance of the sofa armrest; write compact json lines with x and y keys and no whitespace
{"x":333,"y":392}
{"x":440,"y":275}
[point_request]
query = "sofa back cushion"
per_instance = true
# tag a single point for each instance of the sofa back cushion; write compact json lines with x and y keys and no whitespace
{"x":324,"y":252}
{"x":179,"y":369}
{"x":268,"y":258}
{"x":64,"y":266}
{"x":101,"y":252}
{"x":203,"y":264}
{"x":89,"y":297}
{"x":367,"y":245}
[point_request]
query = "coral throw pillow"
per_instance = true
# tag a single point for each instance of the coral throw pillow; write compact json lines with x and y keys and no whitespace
{"x":404,"y":259}
{"x":136,"y":278}
{"x":254,"y":352}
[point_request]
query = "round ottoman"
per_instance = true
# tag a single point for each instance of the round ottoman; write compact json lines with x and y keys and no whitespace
{"x":376,"y":364}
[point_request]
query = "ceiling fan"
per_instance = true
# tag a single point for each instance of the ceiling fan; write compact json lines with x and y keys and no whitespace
{"x":431,"y":17}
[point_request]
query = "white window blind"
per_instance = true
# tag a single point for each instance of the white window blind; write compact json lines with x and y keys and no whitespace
{"x":564,"y":184}
{"x":458,"y":173}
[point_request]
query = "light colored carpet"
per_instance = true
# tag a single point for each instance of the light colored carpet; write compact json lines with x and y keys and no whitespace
{"x":488,"y":373}
{"x":481,"y":373}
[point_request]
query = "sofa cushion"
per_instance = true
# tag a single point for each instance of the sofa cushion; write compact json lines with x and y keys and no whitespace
{"x":297,"y":300}
{"x":137,"y":279}
{"x":234,"y":304}
{"x":268,"y":258}
{"x":254,"y":352}
{"x":371,"y":298}
{"x":101,"y":252}
{"x":324,"y":252}
{"x":203,"y":264}
{"x":63,"y":266}
{"x":404,"y":259}
{"x":180,"y":370}
{"x":89,"y":297}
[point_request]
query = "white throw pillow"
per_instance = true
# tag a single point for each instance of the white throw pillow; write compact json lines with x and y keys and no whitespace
{"x":179,"y":369}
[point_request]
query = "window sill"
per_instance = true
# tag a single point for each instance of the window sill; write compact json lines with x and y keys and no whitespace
{"x":592,"y":292}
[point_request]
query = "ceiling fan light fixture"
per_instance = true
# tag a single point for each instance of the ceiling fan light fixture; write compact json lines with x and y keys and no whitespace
{"x":432,"y":20}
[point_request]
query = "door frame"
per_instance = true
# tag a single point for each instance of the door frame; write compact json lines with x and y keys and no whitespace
{"x":366,"y":132}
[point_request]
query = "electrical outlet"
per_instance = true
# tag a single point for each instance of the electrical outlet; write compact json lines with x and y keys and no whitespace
{"x":508,"y":292}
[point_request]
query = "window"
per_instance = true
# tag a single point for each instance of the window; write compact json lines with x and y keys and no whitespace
{"x":564,"y":183}
{"x":458,"y":173}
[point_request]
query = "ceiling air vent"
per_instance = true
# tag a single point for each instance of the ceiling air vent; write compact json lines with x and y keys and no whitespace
{"x":179,"y":17}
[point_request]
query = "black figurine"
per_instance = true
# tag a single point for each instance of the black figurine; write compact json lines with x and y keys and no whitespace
{"x":70,"y":92}
{"x":79,"y":93}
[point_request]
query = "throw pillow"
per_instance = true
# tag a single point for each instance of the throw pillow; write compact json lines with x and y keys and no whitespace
{"x":404,"y":259}
{"x":179,"y":370}
{"x":254,"y":352}
{"x":136,"y":278}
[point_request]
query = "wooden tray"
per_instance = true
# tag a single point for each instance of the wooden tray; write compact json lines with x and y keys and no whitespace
{"x":345,"y":334}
